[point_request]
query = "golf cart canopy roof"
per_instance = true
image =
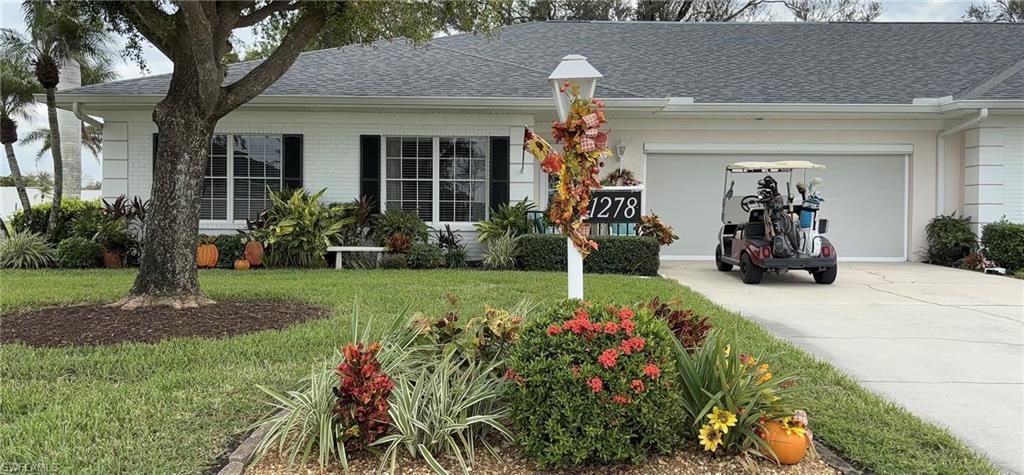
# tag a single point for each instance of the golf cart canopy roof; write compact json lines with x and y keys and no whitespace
{"x":765,"y":166}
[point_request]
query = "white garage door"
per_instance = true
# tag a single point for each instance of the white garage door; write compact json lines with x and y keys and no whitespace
{"x":864,"y":196}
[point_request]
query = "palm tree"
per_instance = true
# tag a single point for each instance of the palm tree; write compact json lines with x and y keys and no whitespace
{"x":59,"y":32}
{"x":92,"y":139}
{"x":102,"y":70}
{"x":16,"y":89}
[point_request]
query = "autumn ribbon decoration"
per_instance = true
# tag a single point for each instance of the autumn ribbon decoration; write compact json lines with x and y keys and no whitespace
{"x":584,"y":147}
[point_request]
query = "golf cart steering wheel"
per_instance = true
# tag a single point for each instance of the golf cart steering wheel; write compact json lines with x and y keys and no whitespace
{"x":749,"y":200}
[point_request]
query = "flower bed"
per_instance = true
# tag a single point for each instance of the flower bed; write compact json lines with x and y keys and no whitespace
{"x":577,"y":386}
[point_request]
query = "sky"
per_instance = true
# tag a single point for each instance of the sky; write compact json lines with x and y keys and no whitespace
{"x":157,"y":63}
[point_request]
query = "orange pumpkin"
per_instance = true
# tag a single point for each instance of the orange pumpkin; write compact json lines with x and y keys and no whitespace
{"x":789,"y":448}
{"x":207,"y":255}
{"x":241,"y":264}
{"x":254,"y":253}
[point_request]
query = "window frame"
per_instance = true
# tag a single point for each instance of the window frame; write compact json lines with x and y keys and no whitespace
{"x":231,"y":222}
{"x":435,"y":179}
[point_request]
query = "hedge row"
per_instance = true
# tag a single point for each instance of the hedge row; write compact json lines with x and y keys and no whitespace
{"x":615,"y":254}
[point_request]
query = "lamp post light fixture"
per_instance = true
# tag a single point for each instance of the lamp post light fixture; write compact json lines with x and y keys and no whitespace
{"x":573,"y":68}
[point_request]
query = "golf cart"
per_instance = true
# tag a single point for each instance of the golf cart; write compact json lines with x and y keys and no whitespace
{"x":767,"y":231}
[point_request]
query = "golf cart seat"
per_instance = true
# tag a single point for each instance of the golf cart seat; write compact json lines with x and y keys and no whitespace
{"x":755,"y":225}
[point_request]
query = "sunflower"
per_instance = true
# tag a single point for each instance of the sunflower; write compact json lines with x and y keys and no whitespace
{"x":710,"y":438}
{"x":721,"y":420}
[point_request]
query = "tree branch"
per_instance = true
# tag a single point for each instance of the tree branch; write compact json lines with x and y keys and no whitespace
{"x":684,"y":10}
{"x":153,"y":23}
{"x":265,"y":11}
{"x":271,"y":69}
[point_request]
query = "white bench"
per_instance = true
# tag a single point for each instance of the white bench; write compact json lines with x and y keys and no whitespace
{"x":339,"y":250}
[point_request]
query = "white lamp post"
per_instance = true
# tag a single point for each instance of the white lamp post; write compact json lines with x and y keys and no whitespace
{"x":573,"y":68}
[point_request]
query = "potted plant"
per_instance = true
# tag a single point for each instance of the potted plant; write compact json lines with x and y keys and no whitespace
{"x":112,"y":235}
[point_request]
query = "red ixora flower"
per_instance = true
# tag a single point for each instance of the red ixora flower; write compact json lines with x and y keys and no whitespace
{"x":595,"y":383}
{"x":628,"y":325}
{"x":608,"y":357}
{"x":582,"y":314}
{"x":611,"y":328}
{"x":652,"y":371}
{"x":620,"y":399}
{"x":512,"y":375}
{"x":554,"y":330}
{"x":626,"y":313}
{"x":630,"y":345}
{"x":637,"y":385}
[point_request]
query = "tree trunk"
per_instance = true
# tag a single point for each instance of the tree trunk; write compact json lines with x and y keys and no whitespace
{"x":19,"y":182}
{"x":3,"y":228}
{"x":168,"y":275}
{"x":58,"y":164}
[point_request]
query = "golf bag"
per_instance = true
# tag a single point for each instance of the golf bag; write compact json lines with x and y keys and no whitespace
{"x":784,"y":235}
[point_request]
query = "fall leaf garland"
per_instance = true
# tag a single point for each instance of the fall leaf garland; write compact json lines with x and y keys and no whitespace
{"x":584,"y":147}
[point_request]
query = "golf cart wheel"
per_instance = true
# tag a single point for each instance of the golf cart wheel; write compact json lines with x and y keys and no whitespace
{"x":826,"y":276}
{"x":722,"y":266}
{"x":751,"y":273}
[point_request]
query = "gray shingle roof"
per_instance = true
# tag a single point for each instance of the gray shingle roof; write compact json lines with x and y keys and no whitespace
{"x":712,"y":62}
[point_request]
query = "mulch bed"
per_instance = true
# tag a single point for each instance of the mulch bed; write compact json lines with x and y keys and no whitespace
{"x":95,"y":325}
{"x":683,"y":462}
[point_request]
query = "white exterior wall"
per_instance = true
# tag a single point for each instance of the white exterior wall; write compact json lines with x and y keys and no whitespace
{"x":331,"y":151}
{"x":330,"y":148}
{"x":1013,"y":173}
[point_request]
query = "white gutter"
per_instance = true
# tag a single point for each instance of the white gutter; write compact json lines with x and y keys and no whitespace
{"x":940,"y":157}
{"x":84,"y":117}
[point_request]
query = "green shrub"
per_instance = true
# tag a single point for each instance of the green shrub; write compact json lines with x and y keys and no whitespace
{"x":596,"y":384}
{"x":230,"y":247}
{"x":504,"y":220}
{"x":423,"y":255}
{"x":717,"y":378}
{"x":394,"y":221}
{"x":949,"y":239}
{"x":501,"y":252}
{"x":301,"y":228}
{"x":633,"y":255}
{"x":25,"y":250}
{"x":1003,"y":243}
{"x":77,"y":252}
{"x":451,"y":243}
{"x":70,"y":210}
{"x":394,"y":261}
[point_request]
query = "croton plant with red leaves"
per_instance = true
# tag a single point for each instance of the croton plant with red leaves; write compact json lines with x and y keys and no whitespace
{"x":595,"y":383}
{"x":584,"y":147}
{"x":362,"y":393}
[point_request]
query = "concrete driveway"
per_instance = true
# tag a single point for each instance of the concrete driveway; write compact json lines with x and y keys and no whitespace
{"x":946,"y":344}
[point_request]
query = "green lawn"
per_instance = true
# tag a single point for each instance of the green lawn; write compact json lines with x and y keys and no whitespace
{"x":174,"y":407}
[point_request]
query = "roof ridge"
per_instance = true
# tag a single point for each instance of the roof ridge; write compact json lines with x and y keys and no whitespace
{"x":992,"y":80}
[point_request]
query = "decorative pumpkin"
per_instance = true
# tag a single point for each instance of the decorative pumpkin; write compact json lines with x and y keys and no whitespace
{"x":254,"y":253}
{"x":112,"y":259}
{"x":242,"y":264}
{"x":789,"y":448}
{"x":207,"y":255}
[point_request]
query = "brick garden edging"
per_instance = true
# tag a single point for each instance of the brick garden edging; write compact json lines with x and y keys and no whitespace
{"x":242,"y":455}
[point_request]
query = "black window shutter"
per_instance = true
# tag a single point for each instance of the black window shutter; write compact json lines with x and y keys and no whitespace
{"x":499,"y":171}
{"x":369,"y":168}
{"x":292,"y":178}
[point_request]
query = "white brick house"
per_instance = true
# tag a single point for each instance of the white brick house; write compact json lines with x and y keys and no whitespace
{"x":908,"y":126}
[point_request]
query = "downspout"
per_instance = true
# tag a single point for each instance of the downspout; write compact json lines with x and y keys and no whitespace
{"x":940,"y":157}
{"x":77,"y":110}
